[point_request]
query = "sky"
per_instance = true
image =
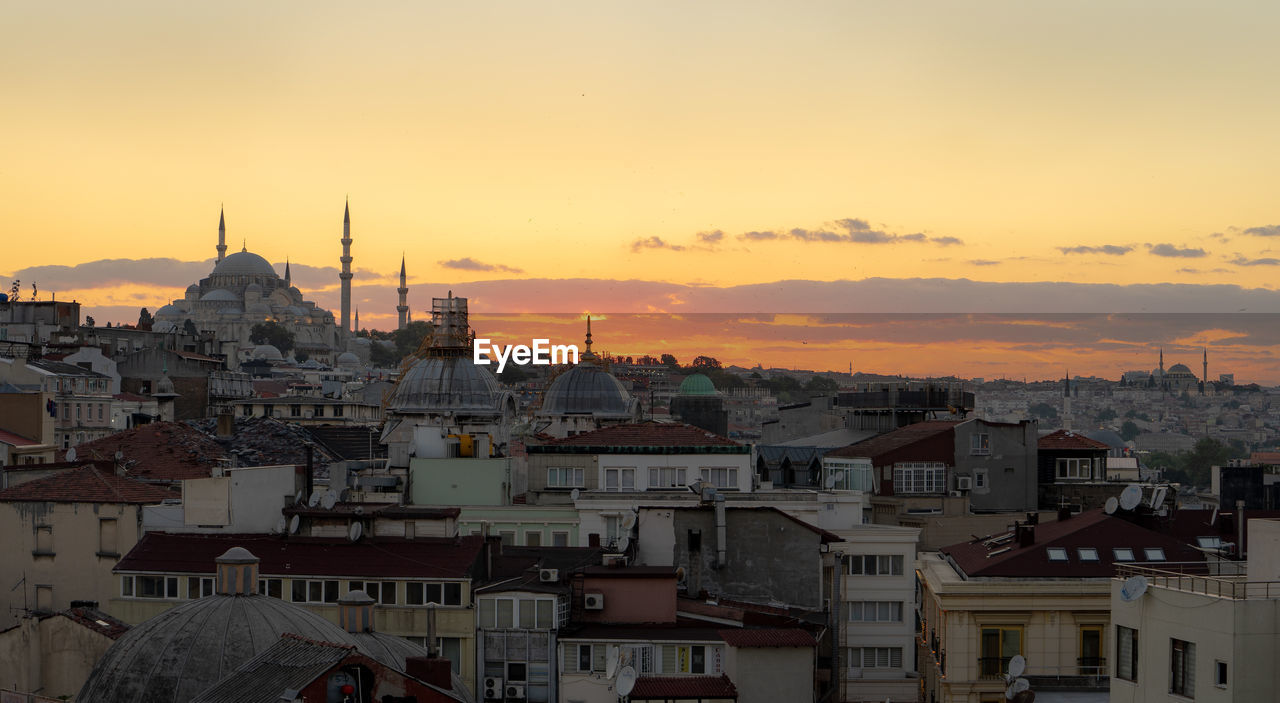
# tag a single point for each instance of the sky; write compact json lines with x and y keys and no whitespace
{"x":655,"y":157}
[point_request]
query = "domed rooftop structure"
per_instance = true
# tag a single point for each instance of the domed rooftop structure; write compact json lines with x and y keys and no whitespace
{"x":253,"y":288}
{"x":347,"y":359}
{"x":587,"y":389}
{"x":220,"y":295}
{"x":169,"y":309}
{"x":244,"y":263}
{"x":697,"y":384}
{"x":447,"y":383}
{"x":1179,"y":369}
{"x":179,"y":653}
{"x":267,"y":352}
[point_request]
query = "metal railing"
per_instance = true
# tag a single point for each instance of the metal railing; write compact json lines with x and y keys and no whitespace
{"x":1218,"y":579}
{"x":993,"y":667}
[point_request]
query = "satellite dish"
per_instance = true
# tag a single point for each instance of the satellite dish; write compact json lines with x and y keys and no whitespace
{"x":354,"y":532}
{"x":611,"y":662}
{"x":281,"y":525}
{"x":1017,"y":665}
{"x":1021,"y":685}
{"x":839,"y":476}
{"x":314,"y":500}
{"x":1131,"y":496}
{"x":574,"y":494}
{"x":1214,"y":518}
{"x":628,"y":521}
{"x":623,"y":544}
{"x":297,"y":500}
{"x":831,"y":481}
{"x":328,"y":500}
{"x":119,"y":455}
{"x":71,"y":454}
{"x":1110,"y":507}
{"x":626,"y":681}
{"x":1133,"y":588}
{"x":293,"y":524}
{"x":1158,"y":496}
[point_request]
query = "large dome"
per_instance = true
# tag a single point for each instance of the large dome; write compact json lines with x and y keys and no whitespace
{"x":447,"y":383}
{"x":1179,"y":369}
{"x":221,"y":295}
{"x":181,"y":652}
{"x":586,"y":389}
{"x":244,"y":263}
{"x":697,"y":384}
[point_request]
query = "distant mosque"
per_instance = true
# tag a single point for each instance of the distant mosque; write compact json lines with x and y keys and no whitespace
{"x":244,"y":290}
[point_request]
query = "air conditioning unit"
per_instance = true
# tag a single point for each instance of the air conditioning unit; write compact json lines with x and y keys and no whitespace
{"x":514,"y":691}
{"x":593,"y":601}
{"x":492,"y":688}
{"x":955,"y":494}
{"x":548,"y":575}
{"x":964,"y":483}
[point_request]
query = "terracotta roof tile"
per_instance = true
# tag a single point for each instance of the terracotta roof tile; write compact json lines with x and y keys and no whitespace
{"x":16,"y":439}
{"x":97,"y":621}
{"x":163,"y":451}
{"x":788,"y":637}
{"x":663,"y":687}
{"x":382,"y":557}
{"x":897,"y":439}
{"x":646,"y":434}
{"x":1066,"y":439}
{"x":86,"y":484}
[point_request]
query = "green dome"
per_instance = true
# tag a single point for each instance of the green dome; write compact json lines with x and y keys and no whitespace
{"x":697,"y":384}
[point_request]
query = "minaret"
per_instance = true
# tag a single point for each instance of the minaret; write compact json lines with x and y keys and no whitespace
{"x":403,"y":290}
{"x":1066,"y":400}
{"x":346,"y":269}
{"x":1204,"y":377}
{"x":222,"y":235}
{"x":357,"y":319}
{"x":1161,"y":379}
{"x":288,"y":280}
{"x":588,"y":354}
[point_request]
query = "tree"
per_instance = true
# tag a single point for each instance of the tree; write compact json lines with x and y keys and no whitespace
{"x":820,"y":384}
{"x":88,"y":320}
{"x":301,"y":356}
{"x":670,"y":360}
{"x":706,"y":362}
{"x":144,"y":320}
{"x":383,"y":355}
{"x":513,"y":374}
{"x":1043,"y":410}
{"x":272,"y":333}
{"x":1106,"y":415}
{"x":1129,"y":430}
{"x":189,"y":327}
{"x":410,"y":338}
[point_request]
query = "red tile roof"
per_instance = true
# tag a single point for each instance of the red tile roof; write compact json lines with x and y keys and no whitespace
{"x":86,"y":484}
{"x":1093,"y":528}
{"x":646,"y":434}
{"x":162,"y":451}
{"x":97,"y":621}
{"x":1066,"y":439}
{"x":661,"y":687}
{"x":897,"y":439}
{"x":16,"y":440}
{"x":382,"y":557}
{"x":788,"y":637}
{"x":132,"y":397}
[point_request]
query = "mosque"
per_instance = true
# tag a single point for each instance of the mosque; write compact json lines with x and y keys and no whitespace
{"x":244,"y":290}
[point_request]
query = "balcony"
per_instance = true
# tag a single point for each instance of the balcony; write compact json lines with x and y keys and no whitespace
{"x":1218,"y":579}
{"x":1088,"y":674}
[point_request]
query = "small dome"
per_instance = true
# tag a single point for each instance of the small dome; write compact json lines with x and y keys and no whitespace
{"x":347,"y":359}
{"x":220,"y":295}
{"x":194,"y":288}
{"x":237,"y":555}
{"x":296,"y":310}
{"x":165,"y":386}
{"x":438,"y":384}
{"x":697,"y":384}
{"x":362,"y":341}
{"x":169,"y":309}
{"x":267,"y":352}
{"x":587,"y":389}
{"x":253,"y":288}
{"x":244,"y":263}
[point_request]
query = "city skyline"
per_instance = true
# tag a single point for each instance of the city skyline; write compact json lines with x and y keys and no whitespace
{"x":661,"y":158}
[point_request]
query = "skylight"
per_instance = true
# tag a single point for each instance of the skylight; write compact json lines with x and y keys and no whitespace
{"x":1123,"y":553}
{"x":1057,"y":554}
{"x":1209,"y":542}
{"x":1154,"y":553}
{"x":1088,"y":554}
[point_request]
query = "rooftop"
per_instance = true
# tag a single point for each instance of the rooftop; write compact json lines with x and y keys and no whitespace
{"x":16,"y":440}
{"x":764,"y":637}
{"x":87,"y":484}
{"x":683,"y":687}
{"x":897,"y":439}
{"x":1067,"y":439}
{"x":161,"y":451}
{"x":644,"y":435}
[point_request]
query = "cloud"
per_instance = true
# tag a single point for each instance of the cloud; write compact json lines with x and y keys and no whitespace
{"x":1242,"y":261}
{"x":759,"y":236}
{"x":984,"y":262}
{"x":1171,"y":251}
{"x":710,"y":238}
{"x":467,"y":263}
{"x":1264,"y":231}
{"x":855,"y":231}
{"x":1108,"y":249}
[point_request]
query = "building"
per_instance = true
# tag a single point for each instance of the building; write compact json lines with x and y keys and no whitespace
{"x":53,"y":653}
{"x":27,"y":422}
{"x":1041,"y":591}
{"x":81,"y":397}
{"x":1072,"y":470}
{"x":584,"y":397}
{"x":63,"y":534}
{"x":1200,"y":631}
{"x":698,"y":403}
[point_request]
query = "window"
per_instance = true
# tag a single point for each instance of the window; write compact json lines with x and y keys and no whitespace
{"x":1087,"y":553}
{"x":619,"y":479}
{"x":1154,"y":553}
{"x":155,"y":586}
{"x":304,"y":591}
{"x":690,"y":659}
{"x":384,"y":593}
{"x":587,"y":659}
{"x":126,"y":586}
{"x":1126,"y":653}
{"x":337,"y":412}
{"x":508,"y":538}
{"x":875,"y":658}
{"x":533,"y":539}
{"x":247,"y":411}
{"x":980,"y":444}
{"x":199,"y":586}
{"x":451,"y":649}
{"x":979,"y":478}
{"x":919,"y":477}
{"x":44,"y":598}
{"x":638,"y":657}
{"x":295,"y":411}
{"x":1075,"y":468}
{"x":419,"y":593}
{"x":564,"y":477}
{"x":1057,"y":554}
{"x":317,"y":411}
{"x":612,"y":529}
{"x":998,"y":645}
{"x":559,"y":539}
{"x":1209,"y":542}
{"x":271,"y":587}
{"x":268,"y":411}
{"x":517,"y":671}
{"x":1123,"y":553}
{"x":1182,"y":668}
{"x":1220,"y":674}
{"x":667,"y":478}
{"x":723,"y":477}
{"x":1091,"y":662}
{"x":44,"y":540}
{"x":875,"y":564}
{"x":875,"y":611}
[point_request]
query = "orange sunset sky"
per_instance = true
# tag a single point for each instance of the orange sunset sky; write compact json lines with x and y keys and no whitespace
{"x":661,"y":157}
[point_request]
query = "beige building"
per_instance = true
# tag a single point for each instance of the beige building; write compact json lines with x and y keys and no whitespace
{"x":63,"y":534}
{"x":1039,"y":591}
{"x":1203,"y":632}
{"x":53,"y":654}
{"x":26,"y":427}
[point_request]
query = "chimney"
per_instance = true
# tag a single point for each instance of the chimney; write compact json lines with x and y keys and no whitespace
{"x":226,"y":425}
{"x":1240,"y":528}
{"x":1033,"y":518}
{"x":310,"y":477}
{"x":436,"y":671}
{"x":1064,"y":512}
{"x":1026,"y":535}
